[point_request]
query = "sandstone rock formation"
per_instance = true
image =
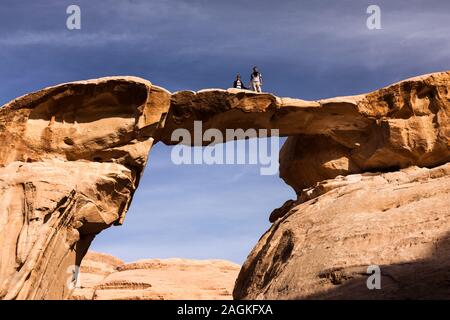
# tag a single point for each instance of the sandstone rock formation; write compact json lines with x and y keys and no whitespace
{"x":403,"y":124}
{"x":70,"y":161}
{"x":72,"y":156}
{"x":94,"y":268}
{"x":104,"y":277}
{"x":323,"y":246}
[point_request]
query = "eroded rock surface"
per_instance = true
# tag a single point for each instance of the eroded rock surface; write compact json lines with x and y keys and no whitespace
{"x":70,"y":161}
{"x":409,"y":124}
{"x":322,"y":247}
{"x":94,"y":268}
{"x":102,"y":278}
{"x":403,"y":124}
{"x":72,"y":156}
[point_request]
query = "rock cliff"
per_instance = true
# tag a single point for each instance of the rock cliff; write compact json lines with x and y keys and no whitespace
{"x":322,"y":247}
{"x":70,"y":161}
{"x":72,"y":156}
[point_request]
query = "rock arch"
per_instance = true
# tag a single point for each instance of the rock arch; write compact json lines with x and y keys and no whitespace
{"x":72,"y":155}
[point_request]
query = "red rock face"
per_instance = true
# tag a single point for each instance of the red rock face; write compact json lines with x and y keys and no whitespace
{"x":72,"y":156}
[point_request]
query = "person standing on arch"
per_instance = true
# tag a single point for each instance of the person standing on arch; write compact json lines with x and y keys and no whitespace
{"x":256,"y":80}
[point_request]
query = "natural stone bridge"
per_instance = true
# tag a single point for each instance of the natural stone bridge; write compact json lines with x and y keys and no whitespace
{"x":72,"y":156}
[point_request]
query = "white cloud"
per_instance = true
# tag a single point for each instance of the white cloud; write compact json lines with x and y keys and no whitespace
{"x":68,"y":38}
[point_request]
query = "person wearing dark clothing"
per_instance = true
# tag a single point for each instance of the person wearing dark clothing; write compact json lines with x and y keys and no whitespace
{"x":238,"y":82}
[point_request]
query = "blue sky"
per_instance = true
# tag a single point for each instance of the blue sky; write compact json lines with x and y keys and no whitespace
{"x":306,"y":49}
